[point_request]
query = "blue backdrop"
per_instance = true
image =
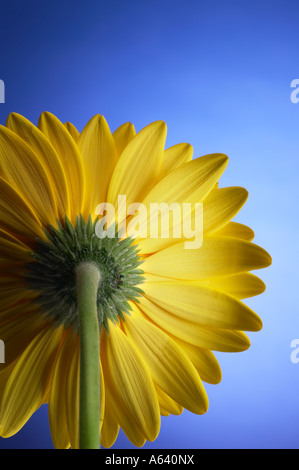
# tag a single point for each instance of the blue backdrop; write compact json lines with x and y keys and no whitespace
{"x":219,"y":74}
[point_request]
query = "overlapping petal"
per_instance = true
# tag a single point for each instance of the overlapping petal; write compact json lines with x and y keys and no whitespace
{"x":170,"y":368}
{"x":135,"y":403}
{"x":46,"y":154}
{"x":57,"y":397}
{"x":155,"y":361}
{"x":237,"y":230}
{"x":218,"y":256}
{"x":20,"y":167}
{"x":168,"y":405}
{"x":23,"y":326}
{"x":208,"y":308}
{"x":72,"y":130}
{"x":187,"y":184}
{"x":13,"y":252}
{"x":29,"y":379}
{"x":99,"y":156}
{"x":71,"y":398}
{"x":110,"y":428}
{"x":192,"y":332}
{"x":16,"y":215}
{"x":122,"y":137}
{"x":139,"y":165}
{"x":174,"y":157}
{"x":69,"y":157}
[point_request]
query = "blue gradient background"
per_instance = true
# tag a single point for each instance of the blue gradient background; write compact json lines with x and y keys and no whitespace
{"x":218,"y":73}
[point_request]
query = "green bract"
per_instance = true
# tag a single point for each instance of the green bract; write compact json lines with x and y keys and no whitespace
{"x":52,"y":273}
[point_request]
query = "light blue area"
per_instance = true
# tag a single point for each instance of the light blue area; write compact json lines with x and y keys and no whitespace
{"x":219,"y":74}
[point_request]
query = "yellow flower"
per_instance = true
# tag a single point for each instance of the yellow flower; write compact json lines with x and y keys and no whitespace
{"x":159,"y":320}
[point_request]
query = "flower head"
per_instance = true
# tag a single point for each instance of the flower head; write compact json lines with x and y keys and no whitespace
{"x":162,"y":308}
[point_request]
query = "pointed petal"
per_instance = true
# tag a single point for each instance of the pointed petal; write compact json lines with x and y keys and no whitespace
{"x":122,"y":136}
{"x":21,"y":168}
{"x":218,"y":256}
{"x":234,"y":229}
{"x":174,"y":157}
{"x":136,"y":406}
{"x":221,"y":205}
{"x":15,"y":214}
{"x":204,"y":362}
{"x":57,"y":403}
{"x":72,"y":390}
{"x":242,"y":285}
{"x":170,"y":368}
{"x":110,"y":427}
{"x":29,"y":381}
{"x":72,"y":130}
{"x":138,"y":166}
{"x":190,"y":183}
{"x":99,"y":157}
{"x":69,"y":157}
{"x":20,"y":330}
{"x":190,"y":331}
{"x":168,"y":405}
{"x":47,"y":156}
{"x":211,"y":309}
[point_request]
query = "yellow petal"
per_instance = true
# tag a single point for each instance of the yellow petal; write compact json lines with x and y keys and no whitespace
{"x":12,"y":290}
{"x":29,"y":381}
{"x":72,"y":130}
{"x":170,"y":368}
{"x":242,"y":285}
{"x":234,"y":229}
{"x":57,"y":403}
{"x":22,"y":169}
{"x":110,"y":427}
{"x":102,"y":395}
{"x":209,"y":308}
{"x":15,"y":214}
{"x":136,"y":406}
{"x":18,"y":309}
{"x":99,"y":157}
{"x":168,"y":405}
{"x":69,"y":156}
{"x":190,"y":183}
{"x":139,"y":165}
{"x":5,"y":373}
{"x":122,"y":136}
{"x":204,"y":362}
{"x":47,"y":156}
{"x":163,"y":411}
{"x":218,"y":256}
{"x":20,"y":330}
{"x":13,"y":250}
{"x":72,"y":390}
{"x":193,"y":333}
{"x":221,"y":205}
{"x":174,"y":157}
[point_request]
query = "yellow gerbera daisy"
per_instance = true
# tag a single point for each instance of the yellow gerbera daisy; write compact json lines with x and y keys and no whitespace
{"x":158,"y":321}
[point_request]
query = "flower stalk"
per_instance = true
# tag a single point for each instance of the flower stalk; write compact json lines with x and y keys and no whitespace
{"x":88,"y":279}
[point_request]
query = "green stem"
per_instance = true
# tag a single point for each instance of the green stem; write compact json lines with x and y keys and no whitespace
{"x":88,"y":279}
